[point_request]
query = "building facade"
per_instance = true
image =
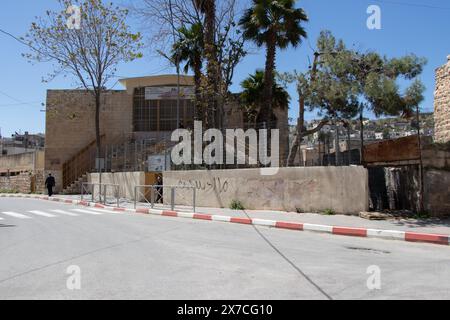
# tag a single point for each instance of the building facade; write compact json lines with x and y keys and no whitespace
{"x":147,"y":110}
{"x":442,"y":103}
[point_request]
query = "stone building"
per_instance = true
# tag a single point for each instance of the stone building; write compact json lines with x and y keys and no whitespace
{"x":442,"y":103}
{"x":22,"y":172}
{"x":146,"y":110}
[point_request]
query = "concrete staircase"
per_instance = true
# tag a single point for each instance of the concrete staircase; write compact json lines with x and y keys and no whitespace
{"x":75,"y":188}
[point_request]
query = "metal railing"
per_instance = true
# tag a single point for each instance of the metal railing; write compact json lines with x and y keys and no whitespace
{"x":89,"y":188}
{"x":158,"y":191}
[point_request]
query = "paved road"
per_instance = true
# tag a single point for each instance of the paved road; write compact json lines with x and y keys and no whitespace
{"x":124,"y":256}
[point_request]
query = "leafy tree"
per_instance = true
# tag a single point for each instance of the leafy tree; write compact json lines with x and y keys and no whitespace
{"x":91,"y":53}
{"x":253,"y":88}
{"x":327,"y":89}
{"x":376,"y":78}
{"x":341,"y":80}
{"x":189,"y":49}
{"x":273,"y":24}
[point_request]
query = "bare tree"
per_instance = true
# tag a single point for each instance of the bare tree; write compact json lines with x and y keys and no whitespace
{"x":90,"y":51}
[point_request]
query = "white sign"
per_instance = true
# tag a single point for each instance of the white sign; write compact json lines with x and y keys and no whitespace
{"x":157,"y":163}
{"x":164,"y":93}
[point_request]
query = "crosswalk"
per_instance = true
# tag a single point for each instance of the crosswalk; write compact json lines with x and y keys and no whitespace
{"x":51,"y":214}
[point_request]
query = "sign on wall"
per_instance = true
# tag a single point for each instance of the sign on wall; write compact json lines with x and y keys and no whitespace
{"x":164,"y":93}
{"x":158,"y":163}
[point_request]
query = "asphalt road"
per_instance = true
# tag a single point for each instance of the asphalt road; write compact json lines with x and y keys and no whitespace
{"x":125,"y":256}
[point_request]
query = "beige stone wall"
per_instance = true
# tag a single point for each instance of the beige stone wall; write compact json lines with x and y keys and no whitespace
{"x":26,"y":182}
{"x":126,"y":180}
{"x":30,"y":161}
{"x":70,"y":124}
{"x":437,"y":192}
{"x":442,"y":104}
{"x":343,"y":189}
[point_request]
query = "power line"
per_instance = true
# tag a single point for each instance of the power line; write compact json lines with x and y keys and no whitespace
{"x":19,"y":102}
{"x":419,"y":5}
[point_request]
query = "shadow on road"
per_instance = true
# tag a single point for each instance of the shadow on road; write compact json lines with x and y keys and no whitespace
{"x":7,"y":226}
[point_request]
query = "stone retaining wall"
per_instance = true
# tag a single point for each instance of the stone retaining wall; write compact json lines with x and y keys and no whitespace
{"x":314,"y":189}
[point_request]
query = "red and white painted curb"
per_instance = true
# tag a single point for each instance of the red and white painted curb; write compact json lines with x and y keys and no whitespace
{"x":343,"y":231}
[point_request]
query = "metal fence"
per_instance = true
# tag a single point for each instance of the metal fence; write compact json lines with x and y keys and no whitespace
{"x":106,"y":193}
{"x":154,"y":194}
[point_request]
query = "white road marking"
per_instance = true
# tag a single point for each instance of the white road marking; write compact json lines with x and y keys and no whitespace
{"x":87,"y":211}
{"x":16,"y":215}
{"x":66,"y":213}
{"x":42,"y":214}
{"x":102,"y":210}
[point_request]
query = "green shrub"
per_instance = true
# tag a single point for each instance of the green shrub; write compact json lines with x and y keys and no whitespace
{"x":422,"y":215}
{"x":237,"y":205}
{"x":8,"y":191}
{"x":329,"y":212}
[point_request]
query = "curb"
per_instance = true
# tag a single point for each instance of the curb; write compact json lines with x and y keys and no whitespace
{"x":293,"y":226}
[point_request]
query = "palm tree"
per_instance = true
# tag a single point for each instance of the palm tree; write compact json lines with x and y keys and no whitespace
{"x":208,"y":7}
{"x":253,"y":88}
{"x":274,"y":24}
{"x":189,"y":49}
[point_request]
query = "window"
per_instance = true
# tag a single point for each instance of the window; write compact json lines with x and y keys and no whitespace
{"x":160,"y":115}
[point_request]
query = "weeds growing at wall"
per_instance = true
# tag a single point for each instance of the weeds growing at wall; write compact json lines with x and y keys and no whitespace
{"x":237,"y":205}
{"x":8,"y":191}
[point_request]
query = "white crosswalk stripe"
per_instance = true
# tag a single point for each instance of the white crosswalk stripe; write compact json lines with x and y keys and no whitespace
{"x":102,"y":210}
{"x":88,"y":212}
{"x":65,"y":213}
{"x":56,"y":213}
{"x":16,"y":215}
{"x":42,"y":214}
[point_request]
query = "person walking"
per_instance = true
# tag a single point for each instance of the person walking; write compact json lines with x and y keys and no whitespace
{"x":159,"y":190}
{"x":50,"y":184}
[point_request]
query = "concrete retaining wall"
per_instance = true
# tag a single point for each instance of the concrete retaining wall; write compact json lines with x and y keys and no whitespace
{"x":343,"y":189}
{"x":30,"y":161}
{"x":126,"y":180}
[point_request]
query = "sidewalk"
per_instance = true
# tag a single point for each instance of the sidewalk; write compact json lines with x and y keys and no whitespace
{"x":433,"y":226}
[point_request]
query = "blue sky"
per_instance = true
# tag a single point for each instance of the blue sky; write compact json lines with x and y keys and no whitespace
{"x":408,"y":26}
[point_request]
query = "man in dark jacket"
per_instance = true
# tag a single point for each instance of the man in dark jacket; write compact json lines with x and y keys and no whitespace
{"x":159,"y":190}
{"x":50,"y":184}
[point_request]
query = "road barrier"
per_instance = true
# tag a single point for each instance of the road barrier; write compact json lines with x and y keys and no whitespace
{"x":103,"y":195}
{"x":158,"y":191}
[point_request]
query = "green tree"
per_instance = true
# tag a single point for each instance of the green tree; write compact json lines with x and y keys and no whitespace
{"x":91,"y":53}
{"x":273,"y":24}
{"x":189,"y":49}
{"x":253,"y":88}
{"x":379,"y":92}
{"x":326,"y":88}
{"x":208,"y":7}
{"x":341,"y":79}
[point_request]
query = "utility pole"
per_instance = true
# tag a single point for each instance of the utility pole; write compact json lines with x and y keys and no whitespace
{"x":336,"y":143}
{"x":419,"y":142}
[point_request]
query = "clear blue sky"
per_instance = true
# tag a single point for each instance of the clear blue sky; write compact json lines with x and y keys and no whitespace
{"x":408,"y":26}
